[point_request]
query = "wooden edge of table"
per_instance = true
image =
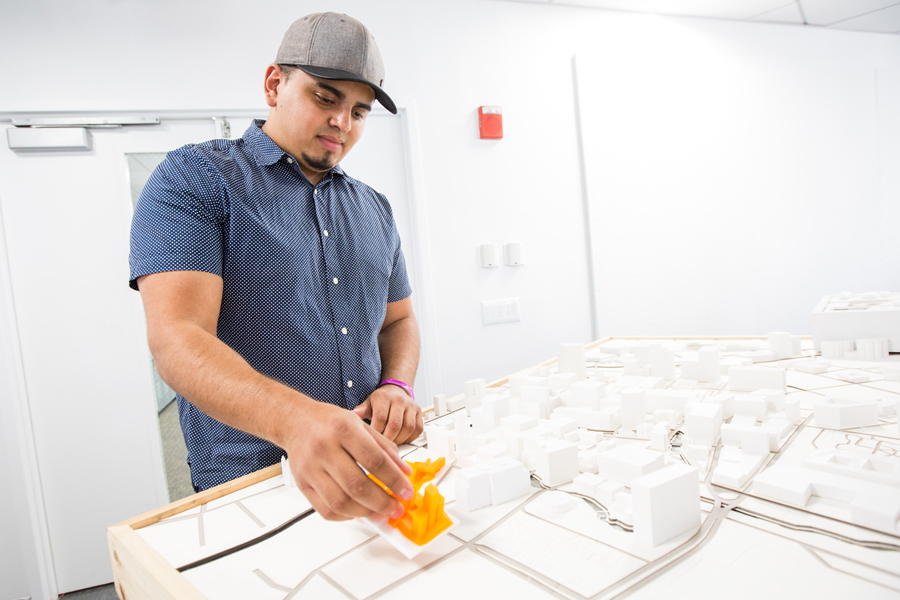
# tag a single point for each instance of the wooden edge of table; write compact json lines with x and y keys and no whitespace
{"x":195,"y":500}
{"x":140,"y":573}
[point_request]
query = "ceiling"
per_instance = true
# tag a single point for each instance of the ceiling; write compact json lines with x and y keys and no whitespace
{"x":881,"y":16}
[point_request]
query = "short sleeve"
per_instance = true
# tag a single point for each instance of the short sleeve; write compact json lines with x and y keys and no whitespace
{"x":177,"y":224}
{"x":398,"y":284}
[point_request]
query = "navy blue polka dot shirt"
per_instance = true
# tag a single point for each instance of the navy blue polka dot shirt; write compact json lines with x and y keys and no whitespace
{"x":307,"y":270}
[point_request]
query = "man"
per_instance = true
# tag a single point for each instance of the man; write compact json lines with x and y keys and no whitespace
{"x":275,"y":289}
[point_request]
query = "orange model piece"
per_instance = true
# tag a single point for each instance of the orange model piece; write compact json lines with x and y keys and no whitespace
{"x":423,"y":517}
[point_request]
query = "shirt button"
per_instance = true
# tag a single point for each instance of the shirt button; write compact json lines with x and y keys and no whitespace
{"x":316,"y":192}
{"x":326,"y":233}
{"x":335,"y":280}
{"x":349,"y":384}
{"x":344,"y":330}
{"x":290,"y":160}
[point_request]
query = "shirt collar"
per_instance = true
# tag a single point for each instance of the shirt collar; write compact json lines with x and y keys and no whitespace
{"x":266,"y":151}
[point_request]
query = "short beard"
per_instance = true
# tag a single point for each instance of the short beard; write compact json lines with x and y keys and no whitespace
{"x":319,"y":164}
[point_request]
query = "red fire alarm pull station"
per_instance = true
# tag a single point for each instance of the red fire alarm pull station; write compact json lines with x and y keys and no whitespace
{"x":490,"y":122}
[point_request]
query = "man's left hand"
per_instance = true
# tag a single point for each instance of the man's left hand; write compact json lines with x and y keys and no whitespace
{"x":393,"y":413}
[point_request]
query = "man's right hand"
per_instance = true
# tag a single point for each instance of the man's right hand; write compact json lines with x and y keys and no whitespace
{"x":325,"y":442}
{"x":324,"y":452}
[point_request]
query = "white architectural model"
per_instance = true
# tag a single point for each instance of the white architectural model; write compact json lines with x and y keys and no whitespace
{"x":872,"y":318}
{"x":711,"y":463}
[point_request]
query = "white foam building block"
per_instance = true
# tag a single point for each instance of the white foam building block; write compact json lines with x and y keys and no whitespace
{"x":625,"y":463}
{"x":813,"y":367}
{"x":750,"y":406}
{"x":532,"y":443}
{"x":884,"y":470}
{"x":606,"y":446}
{"x":892,"y":373}
{"x":705,"y":368}
{"x":632,"y":411}
{"x":652,"y":383}
{"x":587,"y":461}
{"x":837,"y":348}
{"x":854,"y":317}
{"x":571,"y":360}
{"x":748,"y":379}
{"x":440,"y":441}
{"x":735,"y":467}
{"x":518,"y":422}
{"x":755,"y":440}
{"x":662,"y":362}
{"x":758,"y":355}
{"x":495,"y":408}
{"x":835,"y":412}
{"x":557,"y":462}
{"x":473,"y":391}
{"x":792,"y":409}
{"x":587,"y":437}
{"x":871,"y":504}
{"x":287,"y":477}
{"x":659,"y":437}
{"x":665,"y":504}
{"x":725,"y":400}
{"x":489,"y":452}
{"x":584,"y":394}
{"x":781,"y":343}
{"x":607,"y":491}
{"x":586,"y":484}
{"x":703,"y":423}
{"x":605,"y":419}
{"x":439,"y":403}
{"x":473,"y":488}
{"x":561,"y":381}
{"x":490,"y":483}
{"x":657,"y":399}
{"x":560,"y":426}
{"x":774,"y":398}
{"x":733,"y":361}
{"x":533,"y":393}
{"x":454,"y":404}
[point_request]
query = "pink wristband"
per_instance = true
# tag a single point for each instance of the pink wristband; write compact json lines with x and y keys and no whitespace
{"x":405,"y":386}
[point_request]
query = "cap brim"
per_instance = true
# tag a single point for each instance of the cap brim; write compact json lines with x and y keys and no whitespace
{"x":340,"y":75}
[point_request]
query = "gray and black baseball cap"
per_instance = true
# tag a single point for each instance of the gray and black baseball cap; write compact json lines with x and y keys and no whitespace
{"x":333,"y":46}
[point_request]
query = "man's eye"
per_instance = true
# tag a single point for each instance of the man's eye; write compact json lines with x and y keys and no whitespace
{"x":359,"y":115}
{"x":325,"y":100}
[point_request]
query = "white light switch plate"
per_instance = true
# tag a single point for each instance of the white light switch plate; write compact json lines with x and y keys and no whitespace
{"x":504,"y":310}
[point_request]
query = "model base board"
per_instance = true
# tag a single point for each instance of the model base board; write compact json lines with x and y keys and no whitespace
{"x":797,"y":489}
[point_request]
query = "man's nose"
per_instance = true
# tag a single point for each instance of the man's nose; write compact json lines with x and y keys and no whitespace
{"x":342,"y":121}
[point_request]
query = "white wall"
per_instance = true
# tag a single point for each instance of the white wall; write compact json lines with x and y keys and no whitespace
{"x":740,"y":176}
{"x":446,"y":57}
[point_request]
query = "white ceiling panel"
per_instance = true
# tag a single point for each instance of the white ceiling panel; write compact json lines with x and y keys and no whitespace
{"x":629,"y":5}
{"x":731,"y":9}
{"x":886,"y":20}
{"x":786,"y":14}
{"x":826,"y":12}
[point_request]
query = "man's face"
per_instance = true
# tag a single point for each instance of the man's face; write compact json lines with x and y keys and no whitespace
{"x":317,"y":121}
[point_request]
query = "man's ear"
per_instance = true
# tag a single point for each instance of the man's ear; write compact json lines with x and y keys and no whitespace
{"x":275,"y":77}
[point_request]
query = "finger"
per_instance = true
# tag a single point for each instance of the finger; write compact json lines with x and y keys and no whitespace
{"x":361,"y":496}
{"x":395,"y":422}
{"x":392,"y":451}
{"x":380,"y":411}
{"x":319,"y":504}
{"x":364,"y":410}
{"x":380,"y":458}
{"x":413,"y":427}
